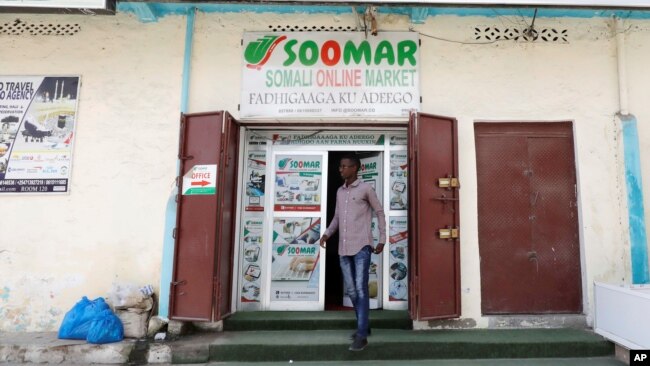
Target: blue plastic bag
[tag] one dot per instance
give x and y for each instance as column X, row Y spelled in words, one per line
column 105, row 328
column 76, row 322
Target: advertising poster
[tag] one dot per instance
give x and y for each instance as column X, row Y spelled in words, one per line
column 298, row 182
column 398, row 262
column 295, row 259
column 398, row 180
column 255, row 180
column 251, row 242
column 330, row 74
column 398, row 139
column 38, row 116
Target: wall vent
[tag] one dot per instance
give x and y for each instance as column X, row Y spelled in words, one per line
column 20, row 27
column 310, row 28
column 491, row 33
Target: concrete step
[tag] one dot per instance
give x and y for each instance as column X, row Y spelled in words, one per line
column 397, row 344
column 591, row 361
column 311, row 320
column 387, row 346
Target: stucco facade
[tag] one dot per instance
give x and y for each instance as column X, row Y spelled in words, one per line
column 110, row 228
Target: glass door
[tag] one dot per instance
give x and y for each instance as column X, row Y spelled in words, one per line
column 296, row 261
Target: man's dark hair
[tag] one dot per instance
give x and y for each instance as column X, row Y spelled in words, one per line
column 353, row 158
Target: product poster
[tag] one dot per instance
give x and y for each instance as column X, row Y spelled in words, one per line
column 374, row 271
column 251, row 243
column 398, row 262
column 295, row 259
column 398, row 140
column 38, row 116
column 398, row 180
column 298, row 182
column 255, row 180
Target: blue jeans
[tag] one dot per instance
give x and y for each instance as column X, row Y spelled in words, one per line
column 355, row 280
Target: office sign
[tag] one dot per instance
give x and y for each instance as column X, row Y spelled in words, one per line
column 330, row 74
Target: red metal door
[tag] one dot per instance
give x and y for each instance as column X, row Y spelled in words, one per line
column 203, row 246
column 434, row 273
column 226, row 219
column 528, row 224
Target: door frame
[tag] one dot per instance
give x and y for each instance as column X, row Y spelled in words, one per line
column 268, row 215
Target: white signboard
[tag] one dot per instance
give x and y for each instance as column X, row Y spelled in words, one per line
column 568, row 3
column 330, row 74
column 63, row 4
column 201, row 179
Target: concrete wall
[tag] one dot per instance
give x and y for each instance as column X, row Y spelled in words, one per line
column 110, row 228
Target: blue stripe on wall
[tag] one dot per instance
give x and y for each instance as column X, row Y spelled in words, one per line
column 164, row 9
column 636, row 212
column 170, row 212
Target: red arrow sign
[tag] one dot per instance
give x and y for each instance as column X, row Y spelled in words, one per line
column 202, row 183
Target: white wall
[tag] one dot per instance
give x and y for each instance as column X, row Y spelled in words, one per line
column 110, row 227
column 55, row 249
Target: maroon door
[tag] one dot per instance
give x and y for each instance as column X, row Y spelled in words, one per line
column 226, row 219
column 528, row 223
column 200, row 288
column 434, row 261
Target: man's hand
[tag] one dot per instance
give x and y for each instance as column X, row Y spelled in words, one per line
column 379, row 248
column 323, row 241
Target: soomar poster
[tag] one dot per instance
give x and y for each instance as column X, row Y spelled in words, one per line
column 38, row 117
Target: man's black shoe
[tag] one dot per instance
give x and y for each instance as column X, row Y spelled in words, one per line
column 353, row 336
column 359, row 344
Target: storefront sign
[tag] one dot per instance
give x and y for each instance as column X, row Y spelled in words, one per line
column 201, row 179
column 298, row 182
column 38, row 117
column 328, row 138
column 568, row 3
column 330, row 74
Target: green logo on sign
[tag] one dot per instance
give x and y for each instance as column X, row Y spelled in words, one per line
column 258, row 52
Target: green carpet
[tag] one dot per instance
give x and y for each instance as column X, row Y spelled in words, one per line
column 311, row 320
column 396, row 344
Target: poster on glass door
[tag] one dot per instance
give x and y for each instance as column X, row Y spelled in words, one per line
column 255, row 180
column 251, row 243
column 398, row 259
column 398, row 180
column 295, row 259
column 298, row 182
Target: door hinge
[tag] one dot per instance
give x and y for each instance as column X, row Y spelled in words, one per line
column 449, row 233
column 175, row 233
column 448, row 182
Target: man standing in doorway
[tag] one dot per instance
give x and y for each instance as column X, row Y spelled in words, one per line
column 352, row 218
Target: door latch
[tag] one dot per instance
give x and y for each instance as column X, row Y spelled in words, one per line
column 448, row 182
column 449, row 233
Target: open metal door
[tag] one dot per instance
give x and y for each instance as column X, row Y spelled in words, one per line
column 226, row 219
column 200, row 287
column 434, row 244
